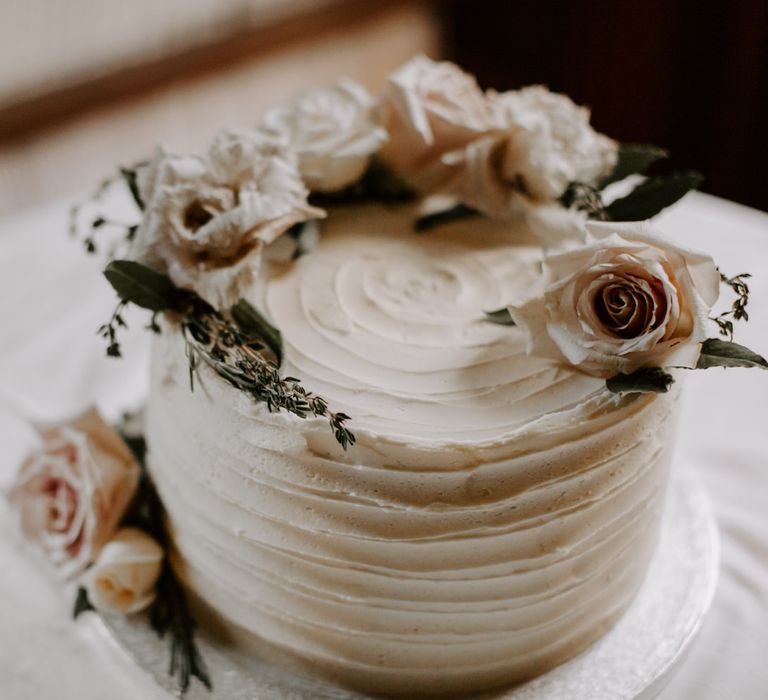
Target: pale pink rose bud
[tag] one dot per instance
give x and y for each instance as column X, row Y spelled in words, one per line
column 72, row 493
column 124, row 576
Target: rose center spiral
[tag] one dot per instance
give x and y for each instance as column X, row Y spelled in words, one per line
column 629, row 306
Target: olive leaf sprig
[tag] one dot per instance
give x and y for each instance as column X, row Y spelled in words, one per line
column 239, row 344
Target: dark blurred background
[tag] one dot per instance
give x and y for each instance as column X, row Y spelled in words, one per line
column 689, row 75
column 87, row 84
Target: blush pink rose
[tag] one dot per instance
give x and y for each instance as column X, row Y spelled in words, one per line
column 72, row 493
column 625, row 299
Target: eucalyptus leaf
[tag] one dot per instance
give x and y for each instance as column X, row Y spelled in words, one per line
column 722, row 353
column 143, row 286
column 501, row 316
column 644, row 380
column 253, row 324
column 653, row 195
column 634, row 158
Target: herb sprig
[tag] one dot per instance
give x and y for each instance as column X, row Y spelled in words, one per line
column 169, row 612
column 235, row 351
column 738, row 310
column 239, row 344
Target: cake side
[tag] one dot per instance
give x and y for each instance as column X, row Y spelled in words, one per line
column 495, row 516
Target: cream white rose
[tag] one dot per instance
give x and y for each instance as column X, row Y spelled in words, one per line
column 625, row 300
column 124, row 576
column 208, row 217
column 73, row 491
column 430, row 108
column 542, row 143
column 333, row 130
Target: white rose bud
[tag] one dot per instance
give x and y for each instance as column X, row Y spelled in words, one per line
column 429, row 109
column 625, row 300
column 124, row 576
column 333, row 131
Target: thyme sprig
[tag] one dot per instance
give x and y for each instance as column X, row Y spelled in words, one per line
column 738, row 310
column 238, row 357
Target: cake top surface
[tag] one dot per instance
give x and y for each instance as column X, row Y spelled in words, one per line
column 390, row 327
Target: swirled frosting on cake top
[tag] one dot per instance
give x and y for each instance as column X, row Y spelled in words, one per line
column 389, row 325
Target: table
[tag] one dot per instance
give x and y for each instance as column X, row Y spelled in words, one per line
column 52, row 364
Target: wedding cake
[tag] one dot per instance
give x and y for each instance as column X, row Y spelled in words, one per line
column 496, row 514
column 413, row 393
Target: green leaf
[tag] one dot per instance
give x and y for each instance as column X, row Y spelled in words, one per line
column 500, row 316
column 722, row 353
column 143, row 286
column 306, row 235
column 643, row 381
column 82, row 604
column 253, row 324
column 459, row 212
column 653, row 195
column 634, row 158
column 378, row 184
column 129, row 175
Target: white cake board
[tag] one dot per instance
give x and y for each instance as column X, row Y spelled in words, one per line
column 631, row 662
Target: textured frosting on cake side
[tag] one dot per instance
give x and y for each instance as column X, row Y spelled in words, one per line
column 497, row 513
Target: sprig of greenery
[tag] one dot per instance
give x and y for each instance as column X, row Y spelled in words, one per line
column 633, row 159
column 738, row 310
column 109, row 330
column 642, row 381
column 378, row 184
column 716, row 352
column 100, row 221
column 239, row 344
column 652, row 196
column 236, row 355
column 501, row 317
column 82, row 604
column 169, row 612
column 457, row 212
column 586, row 198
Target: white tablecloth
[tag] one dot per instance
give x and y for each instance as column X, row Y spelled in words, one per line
column 52, row 298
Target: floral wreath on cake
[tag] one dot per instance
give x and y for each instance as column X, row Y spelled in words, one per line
column 614, row 299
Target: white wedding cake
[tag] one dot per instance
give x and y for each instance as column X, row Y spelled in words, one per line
column 497, row 512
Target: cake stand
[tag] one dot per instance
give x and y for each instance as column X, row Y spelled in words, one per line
column 633, row 661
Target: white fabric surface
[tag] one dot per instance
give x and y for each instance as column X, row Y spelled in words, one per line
column 52, row 364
